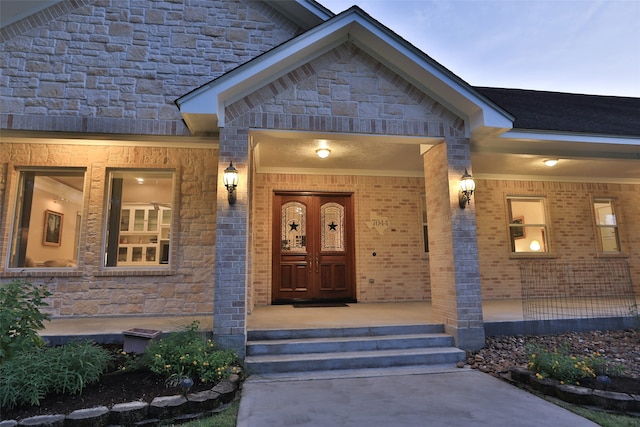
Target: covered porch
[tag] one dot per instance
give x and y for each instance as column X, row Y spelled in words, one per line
column 500, row 317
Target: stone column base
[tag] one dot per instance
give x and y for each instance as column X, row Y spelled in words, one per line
column 469, row 339
column 237, row 343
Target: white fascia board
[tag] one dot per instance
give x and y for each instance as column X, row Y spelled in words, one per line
column 570, row 137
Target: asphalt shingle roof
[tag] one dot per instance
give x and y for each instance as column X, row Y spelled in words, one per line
column 567, row 112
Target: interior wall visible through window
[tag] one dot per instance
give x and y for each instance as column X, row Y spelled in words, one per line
column 140, row 212
column 47, row 218
column 607, row 225
column 528, row 225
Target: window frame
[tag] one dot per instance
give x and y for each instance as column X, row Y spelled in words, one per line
column 161, row 268
column 598, row 227
column 545, row 232
column 424, row 221
column 75, row 217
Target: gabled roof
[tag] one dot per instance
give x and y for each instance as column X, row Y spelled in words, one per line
column 305, row 13
column 568, row 112
column 201, row 107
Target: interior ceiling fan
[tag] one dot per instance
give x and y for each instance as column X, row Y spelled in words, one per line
column 157, row 205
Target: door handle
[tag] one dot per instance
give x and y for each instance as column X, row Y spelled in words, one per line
column 310, row 264
column 317, row 264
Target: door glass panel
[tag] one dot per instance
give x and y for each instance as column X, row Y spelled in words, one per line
column 294, row 227
column 332, row 227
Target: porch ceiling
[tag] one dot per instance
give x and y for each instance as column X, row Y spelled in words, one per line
column 295, row 152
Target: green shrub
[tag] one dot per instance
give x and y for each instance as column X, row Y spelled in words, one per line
column 188, row 354
column 20, row 317
column 29, row 376
column 566, row 368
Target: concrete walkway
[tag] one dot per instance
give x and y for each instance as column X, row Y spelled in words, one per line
column 453, row 397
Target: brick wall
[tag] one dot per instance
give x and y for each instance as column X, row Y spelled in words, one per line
column 572, row 234
column 399, row 269
column 118, row 66
column 185, row 289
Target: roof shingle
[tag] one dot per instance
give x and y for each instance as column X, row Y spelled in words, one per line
column 568, row 112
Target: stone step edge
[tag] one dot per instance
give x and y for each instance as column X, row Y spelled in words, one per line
column 345, row 331
column 352, row 354
column 347, row 339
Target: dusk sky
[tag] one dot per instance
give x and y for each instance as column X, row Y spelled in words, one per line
column 578, row 46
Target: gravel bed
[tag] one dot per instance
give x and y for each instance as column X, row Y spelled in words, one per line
column 503, row 352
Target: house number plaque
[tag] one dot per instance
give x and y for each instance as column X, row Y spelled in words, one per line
column 379, row 223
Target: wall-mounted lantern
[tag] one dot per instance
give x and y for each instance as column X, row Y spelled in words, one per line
column 467, row 186
column 231, row 182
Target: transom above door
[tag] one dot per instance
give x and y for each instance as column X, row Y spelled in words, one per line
column 313, row 247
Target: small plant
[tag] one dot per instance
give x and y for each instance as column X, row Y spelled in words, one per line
column 566, row 368
column 127, row 362
column 188, row 354
column 20, row 317
column 29, row 376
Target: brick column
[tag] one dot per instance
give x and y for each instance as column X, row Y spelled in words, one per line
column 229, row 298
column 453, row 246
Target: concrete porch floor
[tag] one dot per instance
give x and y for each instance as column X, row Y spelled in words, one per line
column 284, row 317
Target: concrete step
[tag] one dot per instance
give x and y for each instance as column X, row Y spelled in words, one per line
column 271, row 334
column 309, row 350
column 347, row 344
column 379, row 359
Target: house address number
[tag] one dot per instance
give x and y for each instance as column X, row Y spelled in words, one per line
column 379, row 223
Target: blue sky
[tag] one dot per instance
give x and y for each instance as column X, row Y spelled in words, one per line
column 578, row 46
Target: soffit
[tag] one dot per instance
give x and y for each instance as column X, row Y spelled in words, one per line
column 295, row 153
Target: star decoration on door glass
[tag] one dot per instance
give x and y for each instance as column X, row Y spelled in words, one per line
column 333, row 226
column 293, row 226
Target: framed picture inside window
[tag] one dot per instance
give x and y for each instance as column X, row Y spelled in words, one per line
column 516, row 231
column 52, row 235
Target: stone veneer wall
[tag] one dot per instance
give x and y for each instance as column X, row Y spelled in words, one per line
column 109, row 66
column 185, row 288
column 399, row 269
column 572, row 234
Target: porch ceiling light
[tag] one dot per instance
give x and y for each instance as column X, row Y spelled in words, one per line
column 231, row 182
column 467, row 186
column 551, row 162
column 323, row 153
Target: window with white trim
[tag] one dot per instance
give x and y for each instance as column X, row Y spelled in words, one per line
column 425, row 230
column 528, row 231
column 47, row 218
column 139, row 219
column 606, row 225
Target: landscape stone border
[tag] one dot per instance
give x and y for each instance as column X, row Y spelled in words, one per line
column 620, row 402
column 135, row 414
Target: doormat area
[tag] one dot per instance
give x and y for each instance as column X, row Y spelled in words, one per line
column 320, row 304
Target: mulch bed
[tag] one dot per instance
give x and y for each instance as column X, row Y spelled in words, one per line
column 115, row 387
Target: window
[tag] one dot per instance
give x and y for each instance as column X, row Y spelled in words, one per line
column 606, row 225
column 425, row 231
column 138, row 231
column 48, row 213
column 527, row 225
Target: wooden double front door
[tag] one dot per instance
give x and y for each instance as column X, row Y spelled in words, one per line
column 313, row 247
